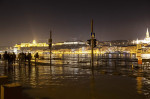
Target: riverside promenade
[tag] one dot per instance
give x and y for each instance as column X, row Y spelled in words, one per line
column 73, row 78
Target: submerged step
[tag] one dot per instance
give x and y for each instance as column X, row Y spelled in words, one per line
column 11, row 91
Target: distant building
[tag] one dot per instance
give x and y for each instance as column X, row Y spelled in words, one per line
column 145, row 41
column 40, row 47
column 33, row 44
column 30, row 46
column 69, row 45
column 116, row 43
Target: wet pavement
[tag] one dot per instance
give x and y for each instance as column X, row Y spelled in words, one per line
column 71, row 77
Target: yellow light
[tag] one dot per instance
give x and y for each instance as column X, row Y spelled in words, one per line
column 34, row 42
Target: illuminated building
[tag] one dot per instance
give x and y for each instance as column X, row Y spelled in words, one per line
column 145, row 41
column 68, row 46
column 75, row 47
column 147, row 38
column 33, row 44
column 117, row 43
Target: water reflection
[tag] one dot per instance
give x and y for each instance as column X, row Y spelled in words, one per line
column 139, row 84
column 111, row 77
column 92, row 85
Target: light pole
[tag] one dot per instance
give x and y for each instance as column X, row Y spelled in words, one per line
column 92, row 43
column 50, row 45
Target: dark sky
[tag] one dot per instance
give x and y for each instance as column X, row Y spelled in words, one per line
column 25, row 20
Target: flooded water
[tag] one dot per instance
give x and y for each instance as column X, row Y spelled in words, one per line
column 71, row 77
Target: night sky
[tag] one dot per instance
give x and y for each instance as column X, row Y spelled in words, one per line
column 25, row 20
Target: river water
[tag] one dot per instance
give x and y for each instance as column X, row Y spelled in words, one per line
column 71, row 77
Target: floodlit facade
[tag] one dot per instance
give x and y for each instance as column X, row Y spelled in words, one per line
column 81, row 47
column 33, row 44
column 145, row 41
column 68, row 46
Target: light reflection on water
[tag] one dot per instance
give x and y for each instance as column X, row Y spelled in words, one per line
column 72, row 76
